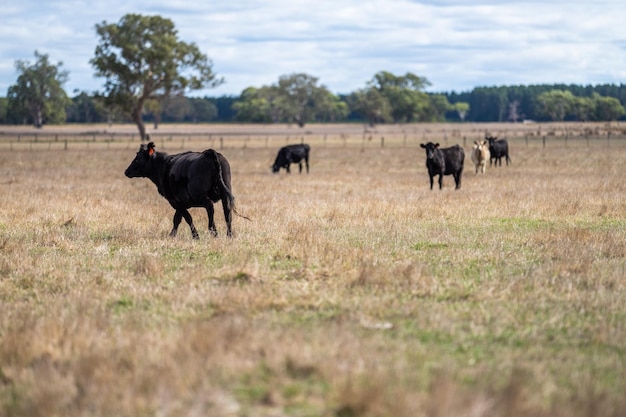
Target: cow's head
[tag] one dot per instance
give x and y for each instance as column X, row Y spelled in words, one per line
column 275, row 168
column 430, row 149
column 480, row 144
column 491, row 139
column 139, row 167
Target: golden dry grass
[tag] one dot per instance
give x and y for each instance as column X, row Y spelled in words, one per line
column 354, row 290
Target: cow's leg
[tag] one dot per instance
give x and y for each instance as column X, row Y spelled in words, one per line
column 440, row 181
column 189, row 220
column 457, row 178
column 287, row 168
column 306, row 161
column 300, row 166
column 210, row 213
column 228, row 216
column 431, row 181
column 178, row 216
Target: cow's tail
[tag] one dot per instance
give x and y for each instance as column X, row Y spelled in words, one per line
column 229, row 195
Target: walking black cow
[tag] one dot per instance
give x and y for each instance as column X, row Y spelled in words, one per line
column 444, row 161
column 188, row 179
column 498, row 148
column 291, row 154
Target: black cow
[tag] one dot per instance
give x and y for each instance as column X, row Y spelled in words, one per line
column 498, row 148
column 188, row 179
column 291, row 154
column 444, row 161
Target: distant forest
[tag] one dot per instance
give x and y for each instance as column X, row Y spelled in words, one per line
column 517, row 103
column 547, row 102
column 486, row 104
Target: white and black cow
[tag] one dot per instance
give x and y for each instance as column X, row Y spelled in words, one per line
column 188, row 179
column 444, row 161
column 480, row 155
column 292, row 154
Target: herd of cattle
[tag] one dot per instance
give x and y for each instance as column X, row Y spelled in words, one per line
column 200, row 179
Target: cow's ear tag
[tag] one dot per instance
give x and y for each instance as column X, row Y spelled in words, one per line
column 151, row 151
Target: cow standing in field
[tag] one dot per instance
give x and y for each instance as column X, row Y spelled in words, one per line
column 498, row 148
column 480, row 155
column 290, row 154
column 188, row 179
column 444, row 161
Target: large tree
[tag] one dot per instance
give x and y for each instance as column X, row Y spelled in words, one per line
column 556, row 104
column 607, row 108
column 436, row 108
column 303, row 98
column 142, row 59
column 331, row 108
column 371, row 104
column 408, row 102
column 254, row 106
column 295, row 98
column 38, row 95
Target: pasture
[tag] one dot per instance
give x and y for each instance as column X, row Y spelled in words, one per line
column 354, row 290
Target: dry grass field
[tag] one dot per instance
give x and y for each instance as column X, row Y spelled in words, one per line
column 353, row 291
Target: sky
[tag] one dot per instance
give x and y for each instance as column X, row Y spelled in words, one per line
column 457, row 45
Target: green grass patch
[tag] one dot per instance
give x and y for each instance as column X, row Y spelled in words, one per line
column 420, row 246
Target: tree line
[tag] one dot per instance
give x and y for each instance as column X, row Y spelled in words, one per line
column 546, row 102
column 150, row 76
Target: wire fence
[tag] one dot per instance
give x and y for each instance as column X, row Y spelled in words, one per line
column 367, row 138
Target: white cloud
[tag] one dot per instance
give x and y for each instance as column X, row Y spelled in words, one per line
column 456, row 44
